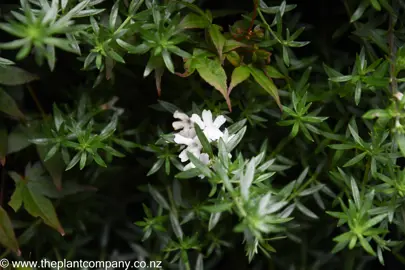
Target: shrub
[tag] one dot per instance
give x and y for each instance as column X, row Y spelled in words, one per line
column 175, row 131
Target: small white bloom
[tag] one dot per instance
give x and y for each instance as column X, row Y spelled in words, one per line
column 193, row 145
column 209, row 126
column 227, row 138
column 204, row 158
column 399, row 95
column 185, row 124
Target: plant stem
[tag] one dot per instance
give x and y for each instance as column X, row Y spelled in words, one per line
column 393, row 52
column 37, row 103
column 3, row 183
column 267, row 25
column 365, row 177
column 280, row 146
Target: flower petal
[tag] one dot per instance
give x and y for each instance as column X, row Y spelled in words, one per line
column 178, row 125
column 183, row 155
column 205, row 158
column 182, row 140
column 219, row 121
column 212, row 133
column 181, row 116
column 197, row 119
column 195, row 150
column 189, row 166
column 188, row 132
column 207, row 117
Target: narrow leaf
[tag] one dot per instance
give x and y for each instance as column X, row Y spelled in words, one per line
column 239, row 75
column 266, row 83
column 8, row 105
column 7, row 236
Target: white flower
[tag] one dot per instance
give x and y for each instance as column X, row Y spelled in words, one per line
column 204, row 158
column 186, row 125
column 193, row 145
column 209, row 126
column 226, row 138
column 399, row 95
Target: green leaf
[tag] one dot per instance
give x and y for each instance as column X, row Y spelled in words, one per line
column 217, row 208
column 8, row 105
column 400, row 138
column 138, row 49
column 16, row 199
column 217, row 38
column 375, row 220
column 344, row 237
column 266, row 83
column 156, row 166
column 331, row 72
column 199, row 165
column 377, row 113
column 311, row 190
column 213, row 73
column 342, row 146
column 54, row 165
column 214, row 219
column 114, row 55
column 247, row 179
column 188, row 174
column 239, row 75
column 39, row 206
column 375, row 4
column 10, row 75
column 17, row 140
column 99, row 160
column 357, row 93
column 355, row 160
column 303, row 209
column 7, row 236
column 6, row 62
column 73, row 162
column 366, row 245
column 203, row 140
column 272, row 72
column 176, row 226
column 286, row 57
column 199, row 265
column 3, row 145
column 355, row 135
column 235, row 127
column 158, row 197
column 57, row 117
column 235, row 140
column 167, row 58
column 191, row 21
column 360, row 10
column 113, row 15
column 134, row 6
column 355, row 193
column 83, row 159
column 344, row 78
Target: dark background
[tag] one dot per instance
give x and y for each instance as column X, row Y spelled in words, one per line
column 118, row 189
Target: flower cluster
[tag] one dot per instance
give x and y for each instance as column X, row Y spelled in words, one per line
column 188, row 138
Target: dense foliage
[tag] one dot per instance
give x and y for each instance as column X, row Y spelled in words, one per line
column 202, row 134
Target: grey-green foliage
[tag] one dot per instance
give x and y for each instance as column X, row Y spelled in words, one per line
column 311, row 155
